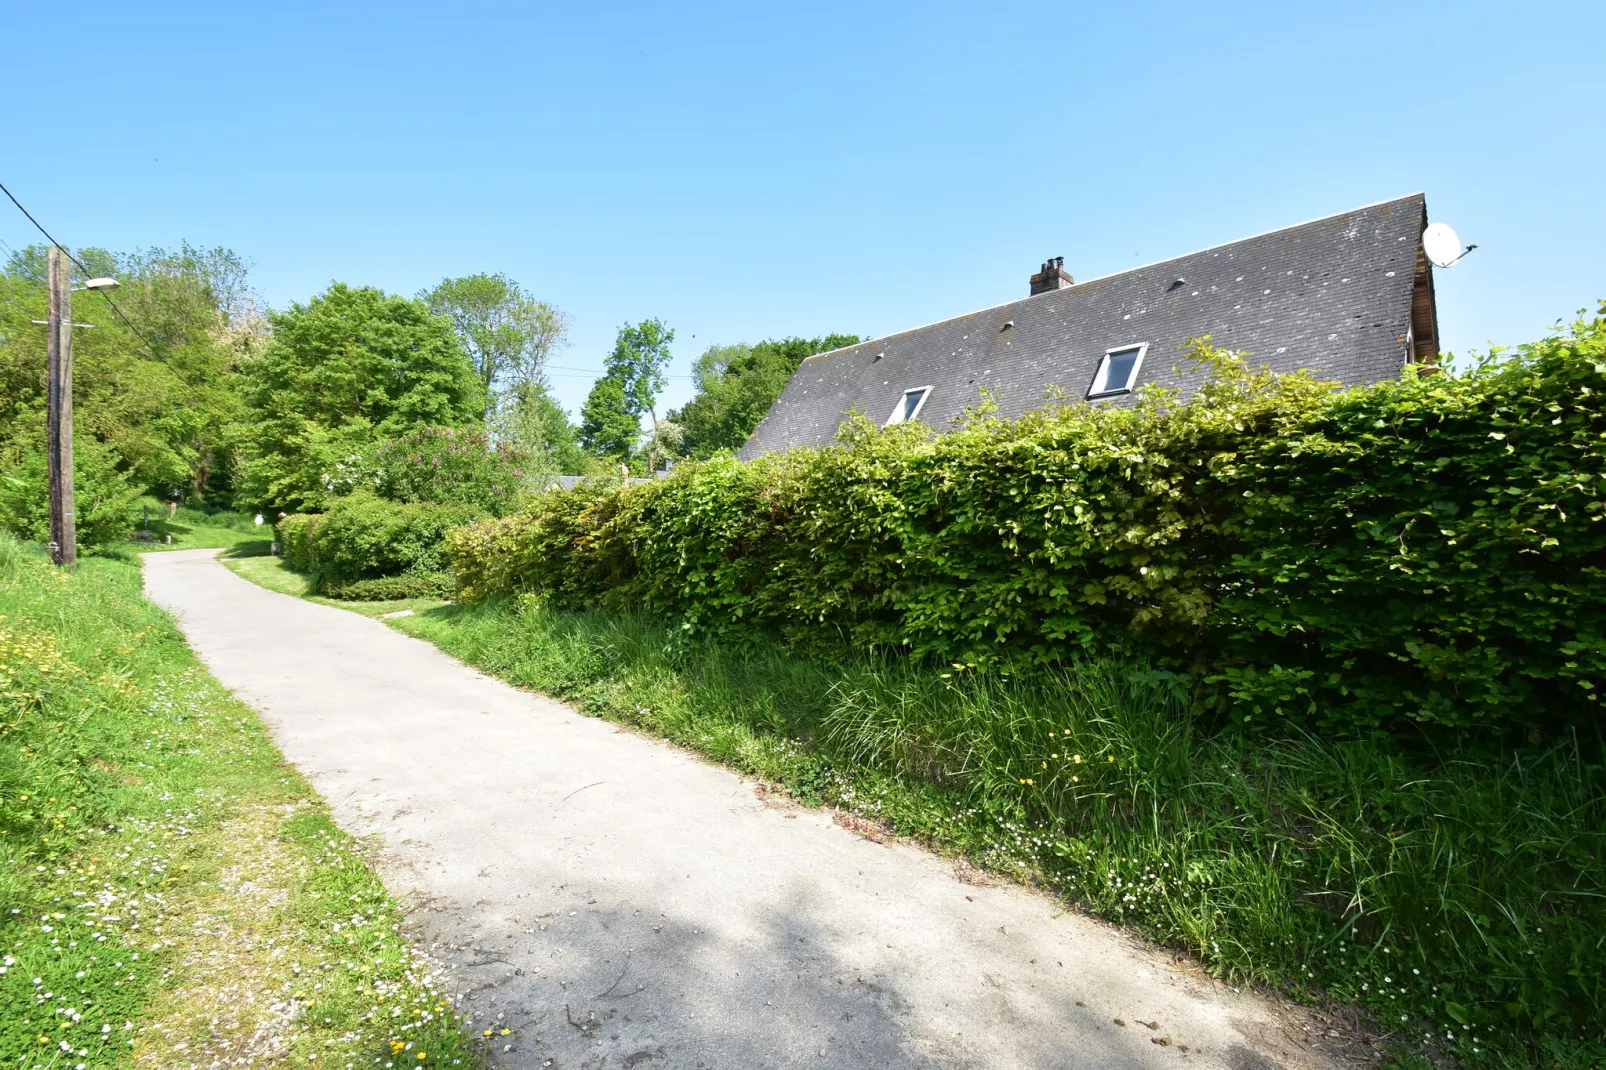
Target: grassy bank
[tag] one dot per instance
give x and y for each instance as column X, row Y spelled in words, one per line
column 1453, row 889
column 193, row 528
column 170, row 892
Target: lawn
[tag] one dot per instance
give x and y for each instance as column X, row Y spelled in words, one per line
column 192, row 528
column 172, row 892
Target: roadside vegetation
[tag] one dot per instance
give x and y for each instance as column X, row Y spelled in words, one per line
column 171, row 892
column 1403, row 876
column 1305, row 681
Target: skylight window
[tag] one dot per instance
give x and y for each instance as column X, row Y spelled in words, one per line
column 1118, row 372
column 909, row 405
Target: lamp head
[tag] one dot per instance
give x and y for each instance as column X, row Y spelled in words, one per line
column 102, row 284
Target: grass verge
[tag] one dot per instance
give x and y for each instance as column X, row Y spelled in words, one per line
column 1453, row 888
column 272, row 573
column 170, row 893
column 193, row 528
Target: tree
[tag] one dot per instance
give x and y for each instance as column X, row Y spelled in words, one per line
column 632, row 379
column 163, row 398
column 508, row 334
column 105, row 496
column 607, row 427
column 351, row 366
column 539, row 427
column 737, row 384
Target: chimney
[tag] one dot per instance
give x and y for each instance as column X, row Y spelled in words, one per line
column 1052, row 277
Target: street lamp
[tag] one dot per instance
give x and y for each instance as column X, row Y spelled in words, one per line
column 101, row 284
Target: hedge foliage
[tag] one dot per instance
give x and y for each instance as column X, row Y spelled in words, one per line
column 458, row 465
column 393, row 588
column 1427, row 549
column 362, row 537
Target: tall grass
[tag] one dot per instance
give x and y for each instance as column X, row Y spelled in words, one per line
column 1455, row 887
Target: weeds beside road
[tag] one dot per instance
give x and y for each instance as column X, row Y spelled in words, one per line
column 1455, row 891
column 171, row 892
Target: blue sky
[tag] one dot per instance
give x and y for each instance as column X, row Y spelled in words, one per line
column 753, row 170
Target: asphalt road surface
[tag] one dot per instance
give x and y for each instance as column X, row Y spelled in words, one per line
column 620, row 903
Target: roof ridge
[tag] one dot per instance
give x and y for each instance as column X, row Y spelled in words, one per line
column 1124, row 271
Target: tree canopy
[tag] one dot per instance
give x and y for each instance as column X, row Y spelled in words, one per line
column 632, row 379
column 161, row 399
column 508, row 334
column 351, row 365
column 737, row 384
column 607, row 427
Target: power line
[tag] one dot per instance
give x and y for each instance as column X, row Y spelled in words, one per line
column 150, row 348
column 40, row 228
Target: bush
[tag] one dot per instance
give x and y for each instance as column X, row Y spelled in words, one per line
column 295, row 539
column 460, row 466
column 393, row 588
column 1425, row 550
column 103, row 497
column 362, row 537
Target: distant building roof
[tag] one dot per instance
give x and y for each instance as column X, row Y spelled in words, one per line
column 1349, row 297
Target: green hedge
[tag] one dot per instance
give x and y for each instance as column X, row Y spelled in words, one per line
column 295, row 539
column 362, row 537
column 393, row 588
column 1427, row 549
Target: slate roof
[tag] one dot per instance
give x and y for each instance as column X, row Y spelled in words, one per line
column 1333, row 295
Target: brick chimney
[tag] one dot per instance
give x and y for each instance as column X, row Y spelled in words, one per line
column 1052, row 277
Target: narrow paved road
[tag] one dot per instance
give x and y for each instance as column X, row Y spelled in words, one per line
column 622, row 904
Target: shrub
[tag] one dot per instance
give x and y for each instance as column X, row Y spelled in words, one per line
column 363, row 537
column 392, row 588
column 103, row 500
column 295, row 539
column 452, row 465
column 1427, row 549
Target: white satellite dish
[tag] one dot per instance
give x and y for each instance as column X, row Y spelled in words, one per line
column 1443, row 245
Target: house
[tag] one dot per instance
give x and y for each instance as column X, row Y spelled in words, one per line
column 1349, row 297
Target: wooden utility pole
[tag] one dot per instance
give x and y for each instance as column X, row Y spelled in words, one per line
column 58, row 420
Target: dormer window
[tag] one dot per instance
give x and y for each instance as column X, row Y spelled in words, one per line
column 909, row 405
column 1118, row 372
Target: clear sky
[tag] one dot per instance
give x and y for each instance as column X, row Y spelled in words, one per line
column 758, row 169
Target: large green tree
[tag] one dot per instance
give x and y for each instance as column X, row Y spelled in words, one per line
column 538, row 426
column 159, row 393
column 607, row 427
column 737, row 384
column 351, row 366
column 632, row 379
column 508, row 333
